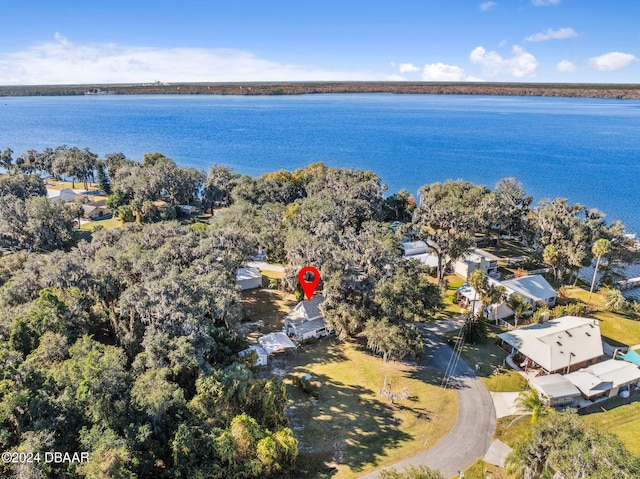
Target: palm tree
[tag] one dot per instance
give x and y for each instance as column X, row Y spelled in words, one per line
column 530, row 402
column 518, row 305
column 493, row 295
column 478, row 281
column 600, row 248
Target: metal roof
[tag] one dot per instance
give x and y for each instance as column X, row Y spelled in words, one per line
column 558, row 343
column 274, row 342
column 554, row 386
column 534, row 287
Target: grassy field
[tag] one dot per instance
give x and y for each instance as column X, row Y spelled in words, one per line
column 512, row 430
column 619, row 416
column 267, row 307
column 617, row 329
column 350, row 429
column 482, row 470
column 488, row 356
column 110, row 223
column 450, row 309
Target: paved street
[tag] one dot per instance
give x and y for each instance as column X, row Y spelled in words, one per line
column 472, row 434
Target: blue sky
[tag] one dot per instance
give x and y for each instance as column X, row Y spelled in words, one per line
column 45, row 42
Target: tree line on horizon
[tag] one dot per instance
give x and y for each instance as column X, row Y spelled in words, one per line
column 125, row 343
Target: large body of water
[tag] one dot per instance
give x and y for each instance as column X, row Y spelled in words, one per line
column 586, row 150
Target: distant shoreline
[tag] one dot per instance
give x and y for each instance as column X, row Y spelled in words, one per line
column 571, row 90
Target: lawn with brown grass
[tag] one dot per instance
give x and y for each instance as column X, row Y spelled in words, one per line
column 482, row 470
column 268, row 307
column 351, row 429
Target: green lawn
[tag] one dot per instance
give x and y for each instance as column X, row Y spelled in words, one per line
column 512, row 430
column 450, row 308
column 482, row 470
column 489, row 356
column 619, row 416
column 109, row 223
column 619, row 329
column 351, row 430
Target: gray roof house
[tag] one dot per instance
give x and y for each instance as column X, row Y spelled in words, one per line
column 305, row 320
column 559, row 345
column 534, row 289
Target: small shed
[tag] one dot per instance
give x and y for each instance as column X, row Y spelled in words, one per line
column 274, row 342
column 555, row 389
column 189, row 210
column 261, row 354
column 249, row 278
column 411, row 248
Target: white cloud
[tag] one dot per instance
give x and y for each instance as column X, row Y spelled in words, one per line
column 474, row 79
column 408, row 68
column 551, row 34
column 486, row 6
column 441, row 72
column 565, row 66
column 62, row 61
column 612, row 62
column 521, row 64
column 544, row 3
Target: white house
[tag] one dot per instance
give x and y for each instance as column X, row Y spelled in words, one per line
column 249, row 278
column 419, row 251
column 305, row 320
column 94, row 212
column 559, row 345
column 605, row 379
column 261, row 355
column 534, row 289
column 477, row 259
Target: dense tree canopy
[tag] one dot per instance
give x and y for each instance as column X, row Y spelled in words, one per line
column 125, row 343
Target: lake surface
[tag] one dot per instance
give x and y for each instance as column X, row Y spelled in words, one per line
column 587, row 150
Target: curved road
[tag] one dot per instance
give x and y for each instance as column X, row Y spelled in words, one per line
column 471, row 436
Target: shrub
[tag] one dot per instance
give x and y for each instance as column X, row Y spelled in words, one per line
column 312, row 388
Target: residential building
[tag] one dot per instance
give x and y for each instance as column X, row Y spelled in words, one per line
column 558, row 346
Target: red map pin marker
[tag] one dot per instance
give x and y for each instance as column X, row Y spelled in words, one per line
column 308, row 287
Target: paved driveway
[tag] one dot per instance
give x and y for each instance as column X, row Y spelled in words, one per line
column 472, row 434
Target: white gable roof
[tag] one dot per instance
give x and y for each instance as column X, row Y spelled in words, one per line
column 307, row 309
column 617, row 372
column 589, row 383
column 558, row 343
column 534, row 287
